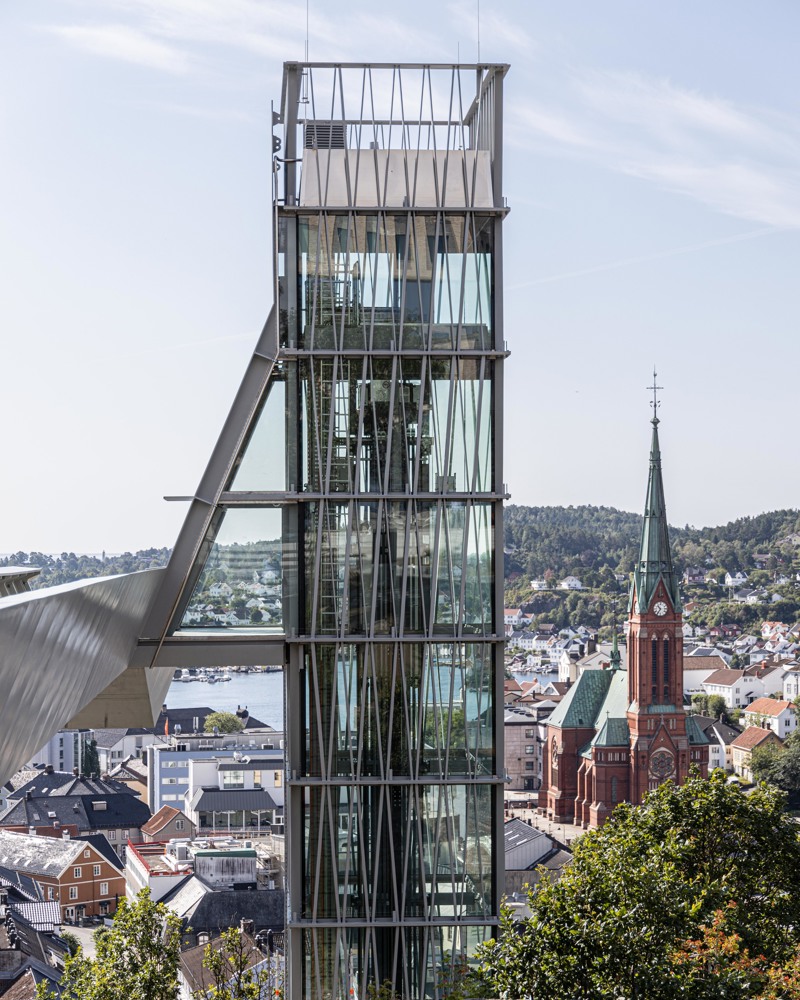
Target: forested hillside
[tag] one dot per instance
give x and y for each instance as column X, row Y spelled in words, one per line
column 545, row 542
column 592, row 543
column 69, row 566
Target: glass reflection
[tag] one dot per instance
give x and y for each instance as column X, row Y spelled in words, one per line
column 240, row 585
column 399, row 710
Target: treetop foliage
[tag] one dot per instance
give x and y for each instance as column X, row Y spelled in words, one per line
column 645, row 896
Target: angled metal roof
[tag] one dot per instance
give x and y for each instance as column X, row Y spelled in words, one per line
column 65, row 661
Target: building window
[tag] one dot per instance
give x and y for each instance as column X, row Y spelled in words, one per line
column 530, row 748
column 277, row 779
column 528, row 765
column 666, row 668
column 170, row 781
column 256, row 779
column 104, row 888
column 76, row 872
column 126, row 834
column 87, row 854
column 233, row 779
column 96, row 870
column 178, row 824
column 654, row 662
column 112, row 834
column 50, row 892
column 529, row 734
column 73, row 892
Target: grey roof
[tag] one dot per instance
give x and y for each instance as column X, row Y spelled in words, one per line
column 120, row 810
column 22, row 884
column 66, row 783
column 42, row 915
column 723, row 731
column 37, row 855
column 184, row 717
column 516, row 833
column 221, row 799
column 108, row 738
column 207, row 909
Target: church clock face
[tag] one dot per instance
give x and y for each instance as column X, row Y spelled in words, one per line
column 660, row 608
column 662, row 764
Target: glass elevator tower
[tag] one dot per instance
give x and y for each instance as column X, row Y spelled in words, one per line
column 388, row 229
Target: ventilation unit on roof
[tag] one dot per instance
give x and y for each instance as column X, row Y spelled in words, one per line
column 324, row 135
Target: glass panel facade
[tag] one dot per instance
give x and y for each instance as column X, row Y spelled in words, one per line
column 399, row 568
column 240, row 582
column 409, row 710
column 377, row 425
column 395, row 280
column 262, row 465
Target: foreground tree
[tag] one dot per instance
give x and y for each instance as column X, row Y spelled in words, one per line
column 237, row 970
column 652, row 879
column 136, row 958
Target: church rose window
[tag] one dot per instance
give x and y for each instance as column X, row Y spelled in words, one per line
column 662, row 764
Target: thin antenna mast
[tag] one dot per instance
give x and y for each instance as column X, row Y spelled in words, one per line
column 479, row 30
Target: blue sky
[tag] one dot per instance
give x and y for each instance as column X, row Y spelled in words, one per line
column 653, row 172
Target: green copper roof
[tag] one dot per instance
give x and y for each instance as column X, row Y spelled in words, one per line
column 616, row 659
column 583, row 701
column 696, row 735
column 655, row 557
column 615, row 733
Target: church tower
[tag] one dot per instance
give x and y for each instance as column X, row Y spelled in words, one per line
column 659, row 745
column 620, row 732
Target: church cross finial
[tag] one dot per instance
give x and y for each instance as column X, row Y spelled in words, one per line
column 654, row 389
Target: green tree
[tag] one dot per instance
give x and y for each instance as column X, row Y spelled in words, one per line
column 779, row 765
column 700, row 703
column 90, row 759
column 225, row 722
column 717, row 706
column 137, row 957
column 236, row 971
column 646, row 884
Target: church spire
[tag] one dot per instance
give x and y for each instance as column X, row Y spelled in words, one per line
column 655, row 556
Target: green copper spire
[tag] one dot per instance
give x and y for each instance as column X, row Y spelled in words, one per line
column 616, row 659
column 655, row 556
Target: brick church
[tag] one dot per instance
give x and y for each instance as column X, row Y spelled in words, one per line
column 620, row 732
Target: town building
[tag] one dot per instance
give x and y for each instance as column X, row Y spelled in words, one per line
column 168, row 762
column 73, row 873
column 743, row 746
column 771, row 713
column 55, row 803
column 619, row 733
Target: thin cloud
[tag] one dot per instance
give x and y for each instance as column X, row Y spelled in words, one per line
column 645, row 258
column 740, row 161
column 125, row 43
